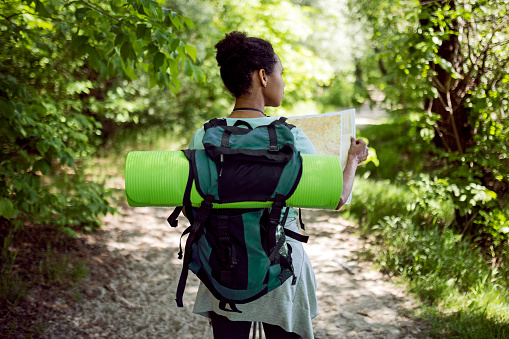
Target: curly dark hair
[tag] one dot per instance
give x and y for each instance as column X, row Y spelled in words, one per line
column 238, row 56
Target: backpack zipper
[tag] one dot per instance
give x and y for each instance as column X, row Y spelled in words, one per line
column 221, row 160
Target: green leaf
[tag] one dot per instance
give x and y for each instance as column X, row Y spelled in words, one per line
column 153, row 80
column 174, row 67
column 174, row 44
column 42, row 146
column 6, row 208
column 188, row 67
column 93, row 57
column 81, row 13
column 427, row 134
column 161, row 38
column 43, row 166
column 141, row 30
column 69, row 232
column 191, row 51
column 120, row 39
column 130, row 72
column 175, row 85
column 158, row 60
column 198, row 74
column 188, row 22
column 151, row 49
column 82, row 50
column 175, row 20
column 146, row 3
column 126, row 51
column 6, row 108
column 41, row 9
column 163, row 80
column 78, row 41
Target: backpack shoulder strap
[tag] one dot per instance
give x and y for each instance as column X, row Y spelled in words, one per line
column 196, row 228
column 282, row 121
column 214, row 123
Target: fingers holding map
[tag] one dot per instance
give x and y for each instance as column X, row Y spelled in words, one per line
column 330, row 133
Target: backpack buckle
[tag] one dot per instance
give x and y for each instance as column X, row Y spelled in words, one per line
column 273, row 148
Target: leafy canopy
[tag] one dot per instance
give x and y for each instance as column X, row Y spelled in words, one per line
column 61, row 62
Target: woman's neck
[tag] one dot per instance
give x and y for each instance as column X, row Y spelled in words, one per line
column 252, row 102
column 245, row 108
column 246, row 114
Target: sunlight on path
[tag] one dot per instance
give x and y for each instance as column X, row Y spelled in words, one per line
column 138, row 299
column 354, row 300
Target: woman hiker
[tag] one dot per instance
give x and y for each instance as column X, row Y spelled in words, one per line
column 253, row 73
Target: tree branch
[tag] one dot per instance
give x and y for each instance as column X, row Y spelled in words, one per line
column 437, row 128
column 108, row 15
column 19, row 27
column 427, row 2
column 453, row 123
column 441, row 87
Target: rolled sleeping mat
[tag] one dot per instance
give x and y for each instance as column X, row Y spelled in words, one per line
column 159, row 178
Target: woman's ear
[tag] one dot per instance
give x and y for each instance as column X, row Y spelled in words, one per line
column 263, row 77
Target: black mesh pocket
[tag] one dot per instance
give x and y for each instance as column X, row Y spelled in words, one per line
column 242, row 180
column 228, row 259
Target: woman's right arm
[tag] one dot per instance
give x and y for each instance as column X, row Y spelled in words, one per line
column 357, row 153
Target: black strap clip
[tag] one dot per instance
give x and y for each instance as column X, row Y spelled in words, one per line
column 172, row 219
column 233, row 307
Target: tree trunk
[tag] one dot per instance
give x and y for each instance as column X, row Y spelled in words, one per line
column 454, row 132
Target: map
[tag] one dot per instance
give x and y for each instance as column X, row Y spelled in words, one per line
column 329, row 132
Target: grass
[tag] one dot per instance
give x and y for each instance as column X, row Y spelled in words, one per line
column 463, row 295
column 57, row 268
column 53, row 268
column 461, row 316
column 13, row 288
column 32, row 274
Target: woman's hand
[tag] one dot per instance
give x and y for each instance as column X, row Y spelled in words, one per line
column 358, row 151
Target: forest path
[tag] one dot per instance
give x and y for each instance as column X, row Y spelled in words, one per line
column 131, row 289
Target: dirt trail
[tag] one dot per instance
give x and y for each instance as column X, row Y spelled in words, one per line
column 131, row 292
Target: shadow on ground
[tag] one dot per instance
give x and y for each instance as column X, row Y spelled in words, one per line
column 132, row 293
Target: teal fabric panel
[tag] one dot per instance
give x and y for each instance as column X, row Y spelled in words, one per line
column 207, row 174
column 256, row 254
column 201, row 253
column 289, row 175
column 274, row 271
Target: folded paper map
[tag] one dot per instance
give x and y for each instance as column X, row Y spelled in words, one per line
column 329, row 132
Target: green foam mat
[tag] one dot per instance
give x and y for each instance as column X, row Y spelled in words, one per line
column 159, row 178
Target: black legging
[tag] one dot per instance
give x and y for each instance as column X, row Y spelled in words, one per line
column 226, row 329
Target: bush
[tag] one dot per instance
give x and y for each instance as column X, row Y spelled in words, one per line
column 464, row 290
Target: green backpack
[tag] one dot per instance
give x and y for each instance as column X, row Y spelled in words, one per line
column 240, row 254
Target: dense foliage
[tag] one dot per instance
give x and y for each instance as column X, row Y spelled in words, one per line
column 62, row 71
column 443, row 69
column 286, row 25
column 77, row 74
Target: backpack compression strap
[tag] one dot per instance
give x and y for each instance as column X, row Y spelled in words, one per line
column 186, row 200
column 196, row 228
column 274, row 216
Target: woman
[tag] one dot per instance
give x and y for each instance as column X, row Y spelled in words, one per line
column 253, row 73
